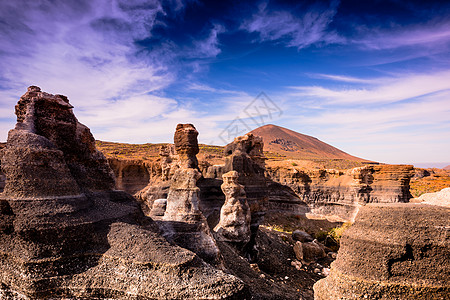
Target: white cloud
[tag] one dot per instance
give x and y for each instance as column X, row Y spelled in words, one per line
column 300, row 32
column 383, row 90
column 389, row 119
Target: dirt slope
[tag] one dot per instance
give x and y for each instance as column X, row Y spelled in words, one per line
column 293, row 144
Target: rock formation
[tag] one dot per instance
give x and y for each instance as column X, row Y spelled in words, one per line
column 2, row 175
column 186, row 145
column 66, row 234
column 183, row 222
column 338, row 194
column 235, row 217
column 245, row 155
column 392, row 251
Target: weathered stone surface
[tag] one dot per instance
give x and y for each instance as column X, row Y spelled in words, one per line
column 235, row 217
column 313, row 251
column 338, row 194
column 182, row 200
column 70, row 238
column 298, row 250
column 132, row 175
column 46, row 122
column 299, row 235
column 186, row 145
column 159, row 207
column 160, row 173
column 392, row 251
column 245, row 155
column 183, row 222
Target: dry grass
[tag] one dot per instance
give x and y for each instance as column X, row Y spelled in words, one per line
column 438, row 180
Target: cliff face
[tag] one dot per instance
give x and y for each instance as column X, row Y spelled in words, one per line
column 67, row 234
column 392, row 251
column 336, row 193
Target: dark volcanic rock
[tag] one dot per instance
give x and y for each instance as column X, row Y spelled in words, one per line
column 299, row 235
column 66, row 234
column 392, row 251
column 47, row 132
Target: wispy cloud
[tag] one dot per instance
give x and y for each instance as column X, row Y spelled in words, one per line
column 382, row 91
column 390, row 119
column 422, row 35
column 208, row 47
column 294, row 31
column 87, row 50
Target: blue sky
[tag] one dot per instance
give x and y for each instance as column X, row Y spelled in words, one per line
column 369, row 77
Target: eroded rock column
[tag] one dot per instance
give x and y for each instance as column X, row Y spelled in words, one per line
column 184, row 223
column 245, row 156
column 235, row 217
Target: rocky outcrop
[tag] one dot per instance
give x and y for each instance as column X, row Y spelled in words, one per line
column 245, row 156
column 392, row 251
column 338, row 194
column 183, row 222
column 235, row 217
column 186, row 145
column 67, row 234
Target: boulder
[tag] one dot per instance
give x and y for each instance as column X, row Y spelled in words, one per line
column 313, row 251
column 159, row 207
column 299, row 235
column 298, row 250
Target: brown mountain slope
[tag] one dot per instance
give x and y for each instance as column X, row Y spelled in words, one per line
column 296, row 145
column 447, row 168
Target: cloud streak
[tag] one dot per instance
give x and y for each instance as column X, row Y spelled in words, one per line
column 294, row 31
column 379, row 91
column 427, row 36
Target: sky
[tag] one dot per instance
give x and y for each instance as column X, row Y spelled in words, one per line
column 371, row 78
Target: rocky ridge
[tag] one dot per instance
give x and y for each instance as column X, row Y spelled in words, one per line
column 337, row 194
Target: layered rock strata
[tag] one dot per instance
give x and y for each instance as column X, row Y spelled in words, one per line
column 66, row 234
column 184, row 223
column 338, row 194
column 392, row 251
column 235, row 217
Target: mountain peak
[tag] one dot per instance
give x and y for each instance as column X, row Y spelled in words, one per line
column 297, row 145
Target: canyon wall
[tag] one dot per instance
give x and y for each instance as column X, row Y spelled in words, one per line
column 337, row 194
